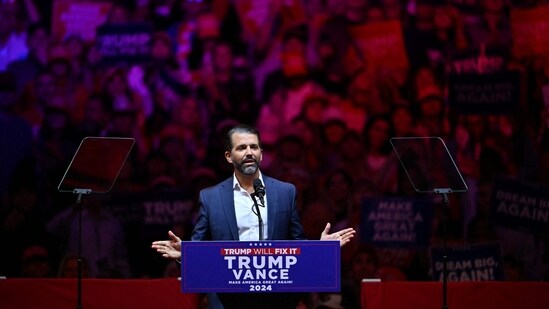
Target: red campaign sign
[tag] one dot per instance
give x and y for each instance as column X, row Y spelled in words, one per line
column 381, row 44
column 529, row 28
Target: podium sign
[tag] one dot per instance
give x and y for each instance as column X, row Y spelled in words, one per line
column 260, row 266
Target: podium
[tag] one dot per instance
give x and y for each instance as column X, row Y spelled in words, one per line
column 260, row 266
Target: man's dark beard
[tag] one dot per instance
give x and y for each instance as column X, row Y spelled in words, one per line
column 249, row 169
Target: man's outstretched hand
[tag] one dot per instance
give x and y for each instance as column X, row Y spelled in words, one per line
column 344, row 236
column 170, row 249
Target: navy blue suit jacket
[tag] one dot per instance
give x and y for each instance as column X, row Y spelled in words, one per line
column 217, row 217
column 217, row 221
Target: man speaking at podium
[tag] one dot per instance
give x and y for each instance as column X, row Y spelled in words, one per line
column 227, row 212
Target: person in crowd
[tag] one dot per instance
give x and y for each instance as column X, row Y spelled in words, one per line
column 68, row 268
column 294, row 79
column 340, row 30
column 229, row 87
column 103, row 243
column 513, row 269
column 271, row 121
column 26, row 69
column 76, row 50
column 288, row 155
column 378, row 171
column 431, row 120
column 450, row 37
column 364, row 99
column 35, row 262
column 33, row 102
column 419, row 34
column 332, row 133
column 22, row 218
column 180, row 148
column 118, row 14
column 97, row 113
column 329, row 69
column 403, row 120
column 352, row 155
column 54, row 146
column 338, row 197
column 158, row 172
column 312, row 111
column 232, row 198
column 63, row 65
column 493, row 28
column 116, row 88
column 393, row 10
column 364, row 265
column 15, row 137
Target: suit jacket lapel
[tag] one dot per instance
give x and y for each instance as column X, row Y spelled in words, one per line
column 272, row 204
column 227, row 200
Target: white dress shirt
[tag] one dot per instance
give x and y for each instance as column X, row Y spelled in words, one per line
column 246, row 220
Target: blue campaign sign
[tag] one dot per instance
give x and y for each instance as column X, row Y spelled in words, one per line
column 260, row 266
column 520, row 205
column 396, row 222
column 477, row 262
column 484, row 93
column 127, row 43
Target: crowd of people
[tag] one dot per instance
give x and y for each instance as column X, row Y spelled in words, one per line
column 324, row 112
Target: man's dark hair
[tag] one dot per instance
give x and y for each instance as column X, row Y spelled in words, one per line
column 239, row 128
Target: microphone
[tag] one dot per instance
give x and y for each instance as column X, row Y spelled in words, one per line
column 259, row 190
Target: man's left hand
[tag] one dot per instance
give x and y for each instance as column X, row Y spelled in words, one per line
column 344, row 236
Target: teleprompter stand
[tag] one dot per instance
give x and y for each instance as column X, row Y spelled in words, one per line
column 431, row 169
column 93, row 169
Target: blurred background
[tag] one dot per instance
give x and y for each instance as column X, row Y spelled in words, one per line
column 326, row 82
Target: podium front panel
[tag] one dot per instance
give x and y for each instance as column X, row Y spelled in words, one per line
column 260, row 266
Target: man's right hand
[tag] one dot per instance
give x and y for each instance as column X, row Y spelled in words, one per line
column 170, row 249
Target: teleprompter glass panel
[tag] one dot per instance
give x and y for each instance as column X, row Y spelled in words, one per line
column 428, row 164
column 96, row 164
